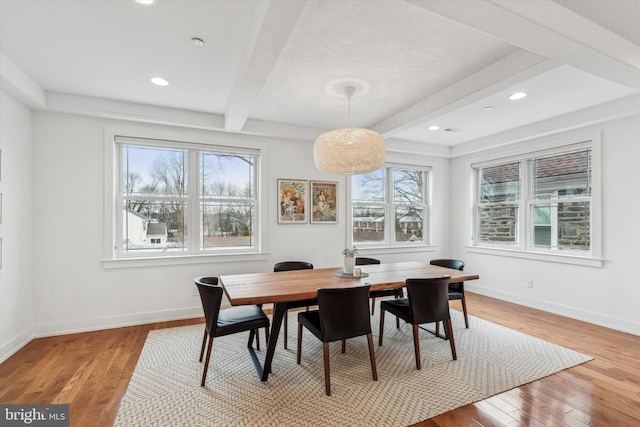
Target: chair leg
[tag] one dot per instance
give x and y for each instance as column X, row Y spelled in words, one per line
column 204, row 342
column 344, row 345
column 299, row 352
column 327, row 370
column 206, row 362
column 452, row 343
column 416, row 346
column 372, row 357
column 464, row 311
column 373, row 305
column 437, row 328
column 397, row 322
column 286, row 327
column 266, row 335
column 252, row 334
column 381, row 327
column 258, row 339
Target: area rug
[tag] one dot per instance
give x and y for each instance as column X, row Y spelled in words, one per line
column 165, row 387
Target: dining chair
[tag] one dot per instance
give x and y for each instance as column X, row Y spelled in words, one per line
column 426, row 302
column 397, row 293
column 227, row 321
column 290, row 266
column 342, row 313
column 456, row 290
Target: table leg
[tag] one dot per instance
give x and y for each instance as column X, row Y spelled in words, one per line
column 279, row 311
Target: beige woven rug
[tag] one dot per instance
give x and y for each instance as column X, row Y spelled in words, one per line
column 165, row 387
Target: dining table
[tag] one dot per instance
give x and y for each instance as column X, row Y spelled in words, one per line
column 284, row 289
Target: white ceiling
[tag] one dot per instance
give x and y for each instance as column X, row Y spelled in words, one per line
column 275, row 66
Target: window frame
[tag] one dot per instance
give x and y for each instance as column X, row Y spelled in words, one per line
column 526, row 153
column 389, row 206
column 113, row 221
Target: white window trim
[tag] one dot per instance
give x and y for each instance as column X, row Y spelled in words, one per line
column 380, row 247
column 234, row 143
column 525, row 151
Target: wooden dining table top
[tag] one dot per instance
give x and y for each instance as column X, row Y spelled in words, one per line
column 299, row 285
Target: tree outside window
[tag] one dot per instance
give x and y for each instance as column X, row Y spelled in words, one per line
column 388, row 206
column 178, row 201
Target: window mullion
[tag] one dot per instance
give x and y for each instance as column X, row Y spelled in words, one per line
column 194, row 229
column 390, row 227
column 524, row 217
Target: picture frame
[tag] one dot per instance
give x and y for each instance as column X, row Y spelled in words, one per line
column 324, row 202
column 292, row 201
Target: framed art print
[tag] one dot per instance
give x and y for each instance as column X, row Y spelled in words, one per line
column 324, row 202
column 292, row 201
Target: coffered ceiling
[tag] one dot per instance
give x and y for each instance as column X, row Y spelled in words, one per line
column 279, row 67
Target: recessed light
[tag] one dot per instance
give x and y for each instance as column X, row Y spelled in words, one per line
column 159, row 81
column 197, row 42
column 434, row 127
column 518, row 95
column 146, row 2
column 488, row 108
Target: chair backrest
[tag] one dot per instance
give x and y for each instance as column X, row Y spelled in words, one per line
column 366, row 261
column 292, row 265
column 211, row 297
column 344, row 312
column 456, row 264
column 428, row 299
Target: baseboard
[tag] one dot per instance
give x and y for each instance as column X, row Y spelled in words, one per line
column 562, row 310
column 9, row 349
column 99, row 323
column 110, row 322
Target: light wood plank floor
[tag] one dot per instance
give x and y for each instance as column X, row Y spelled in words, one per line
column 90, row 371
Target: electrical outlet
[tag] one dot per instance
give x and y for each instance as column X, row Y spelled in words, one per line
column 194, row 292
column 529, row 283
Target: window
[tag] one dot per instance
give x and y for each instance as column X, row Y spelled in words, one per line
column 184, row 199
column 389, row 207
column 537, row 203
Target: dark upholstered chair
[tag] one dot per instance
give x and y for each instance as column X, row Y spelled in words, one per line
column 378, row 294
column 226, row 321
column 427, row 302
column 342, row 313
column 289, row 266
column 456, row 290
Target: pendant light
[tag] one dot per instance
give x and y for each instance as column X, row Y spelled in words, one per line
column 349, row 151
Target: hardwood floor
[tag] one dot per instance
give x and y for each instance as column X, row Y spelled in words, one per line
column 90, row 371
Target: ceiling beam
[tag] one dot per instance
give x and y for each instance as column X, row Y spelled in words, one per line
column 548, row 29
column 20, row 86
column 276, row 27
column 502, row 74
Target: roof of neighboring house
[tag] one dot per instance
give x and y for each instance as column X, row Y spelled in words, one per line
column 157, row 229
column 559, row 165
column 138, row 214
column 564, row 164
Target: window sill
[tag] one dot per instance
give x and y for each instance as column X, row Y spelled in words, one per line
column 181, row 260
column 538, row 256
column 372, row 250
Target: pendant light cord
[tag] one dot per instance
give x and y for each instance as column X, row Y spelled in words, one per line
column 349, row 91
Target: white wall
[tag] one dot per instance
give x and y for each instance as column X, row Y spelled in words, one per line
column 74, row 290
column 610, row 295
column 17, row 278
column 65, row 278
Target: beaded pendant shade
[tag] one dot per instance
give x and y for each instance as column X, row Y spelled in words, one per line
column 349, row 151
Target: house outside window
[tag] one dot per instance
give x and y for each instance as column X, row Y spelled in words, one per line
column 541, row 202
column 184, row 199
column 389, row 207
